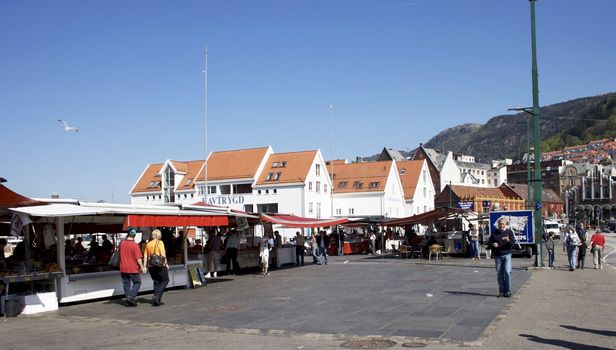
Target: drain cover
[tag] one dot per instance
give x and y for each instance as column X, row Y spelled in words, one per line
column 368, row 344
column 414, row 345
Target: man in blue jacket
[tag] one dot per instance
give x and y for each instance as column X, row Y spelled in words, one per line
column 501, row 241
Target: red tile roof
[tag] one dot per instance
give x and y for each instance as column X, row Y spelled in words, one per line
column 149, row 176
column 236, row 164
column 361, row 177
column 292, row 167
column 410, row 171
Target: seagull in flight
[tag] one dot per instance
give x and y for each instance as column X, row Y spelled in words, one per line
column 68, row 128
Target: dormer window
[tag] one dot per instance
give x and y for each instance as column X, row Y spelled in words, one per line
column 342, row 184
column 188, row 182
column 357, row 184
column 280, row 164
column 374, row 184
column 277, row 176
column 283, row 164
column 269, row 177
column 402, row 171
column 275, row 165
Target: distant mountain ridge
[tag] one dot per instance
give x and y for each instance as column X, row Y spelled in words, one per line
column 563, row 124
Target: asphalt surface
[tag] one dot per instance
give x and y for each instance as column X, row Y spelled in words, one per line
column 443, row 304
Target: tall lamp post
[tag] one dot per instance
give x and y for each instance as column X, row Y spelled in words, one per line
column 535, row 113
column 537, row 137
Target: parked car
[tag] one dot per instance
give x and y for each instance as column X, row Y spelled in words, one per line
column 551, row 226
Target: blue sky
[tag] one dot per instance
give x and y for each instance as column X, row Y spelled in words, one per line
column 129, row 75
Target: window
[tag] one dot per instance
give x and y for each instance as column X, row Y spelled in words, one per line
column 338, row 211
column 147, row 198
column 248, row 208
column 266, row 191
column 275, row 191
column 318, row 210
column 324, row 188
column 318, row 169
column 310, row 207
column 317, row 186
column 425, row 192
column 342, row 184
column 402, row 171
column 283, row 164
column 310, row 186
column 267, row 208
column 357, row 184
column 277, row 176
column 275, row 165
column 242, row 188
column 269, row 177
column 188, row 182
column 374, row 184
column 258, row 191
column 225, row 189
column 211, row 189
column 424, row 175
column 351, row 211
column 192, row 195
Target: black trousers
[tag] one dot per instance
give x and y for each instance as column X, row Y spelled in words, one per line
column 299, row 255
column 231, row 254
column 160, row 277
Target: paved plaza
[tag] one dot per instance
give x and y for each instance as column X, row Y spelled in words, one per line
column 443, row 304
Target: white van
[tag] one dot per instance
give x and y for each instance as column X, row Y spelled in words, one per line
column 551, row 226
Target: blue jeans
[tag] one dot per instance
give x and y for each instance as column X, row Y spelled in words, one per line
column 551, row 257
column 503, row 273
column 128, row 279
column 323, row 252
column 572, row 256
column 474, row 249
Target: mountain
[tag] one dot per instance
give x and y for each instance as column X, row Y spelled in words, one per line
column 563, row 124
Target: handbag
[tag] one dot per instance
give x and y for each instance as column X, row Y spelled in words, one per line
column 157, row 260
column 114, row 261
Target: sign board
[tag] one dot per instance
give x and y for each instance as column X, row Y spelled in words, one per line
column 467, row 205
column 242, row 223
column 194, row 275
column 520, row 222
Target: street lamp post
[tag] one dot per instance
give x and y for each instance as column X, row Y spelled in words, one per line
column 537, row 138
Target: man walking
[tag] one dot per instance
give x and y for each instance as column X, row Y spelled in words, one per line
column 501, row 242
column 597, row 242
column 131, row 265
column 323, row 243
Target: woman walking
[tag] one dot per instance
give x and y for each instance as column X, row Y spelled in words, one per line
column 155, row 258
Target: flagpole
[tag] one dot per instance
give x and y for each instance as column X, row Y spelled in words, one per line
column 206, row 140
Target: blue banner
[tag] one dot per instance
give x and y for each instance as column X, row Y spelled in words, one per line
column 467, row 205
column 520, row 222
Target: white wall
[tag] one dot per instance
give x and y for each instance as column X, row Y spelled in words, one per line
column 449, row 172
column 423, row 198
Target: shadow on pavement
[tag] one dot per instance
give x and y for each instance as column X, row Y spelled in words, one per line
column 589, row 330
column 469, row 293
column 563, row 343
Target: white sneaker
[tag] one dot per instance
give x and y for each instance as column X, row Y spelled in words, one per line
column 215, row 275
column 207, row 275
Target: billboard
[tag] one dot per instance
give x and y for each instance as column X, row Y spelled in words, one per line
column 519, row 221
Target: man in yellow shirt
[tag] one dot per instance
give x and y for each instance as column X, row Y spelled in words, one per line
column 155, row 259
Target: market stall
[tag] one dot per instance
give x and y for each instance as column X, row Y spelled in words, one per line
column 88, row 276
column 288, row 255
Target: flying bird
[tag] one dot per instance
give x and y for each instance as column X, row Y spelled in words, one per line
column 68, row 128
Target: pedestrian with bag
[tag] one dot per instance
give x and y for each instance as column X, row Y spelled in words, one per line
column 265, row 246
column 473, row 236
column 300, row 240
column 155, row 258
column 131, row 265
column 571, row 243
column 213, row 247
column 501, row 242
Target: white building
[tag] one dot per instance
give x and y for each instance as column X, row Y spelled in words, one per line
column 252, row 180
column 418, row 188
column 368, row 189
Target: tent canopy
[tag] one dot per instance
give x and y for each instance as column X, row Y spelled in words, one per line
column 427, row 217
column 297, row 221
column 10, row 199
